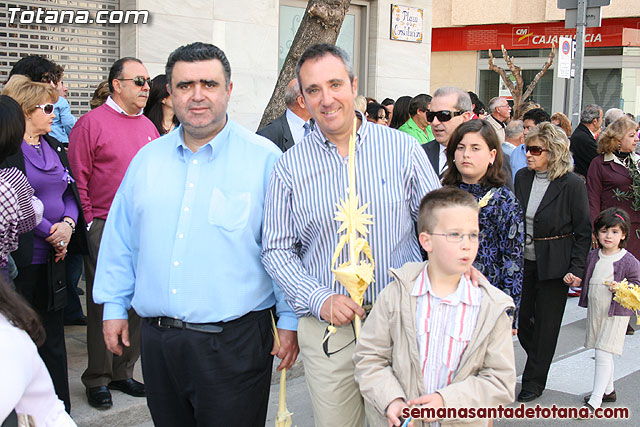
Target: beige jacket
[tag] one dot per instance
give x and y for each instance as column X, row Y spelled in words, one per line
column 386, row 354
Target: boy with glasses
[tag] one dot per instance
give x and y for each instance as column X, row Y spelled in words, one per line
column 428, row 317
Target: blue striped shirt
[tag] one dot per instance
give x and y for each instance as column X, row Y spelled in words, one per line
column 393, row 173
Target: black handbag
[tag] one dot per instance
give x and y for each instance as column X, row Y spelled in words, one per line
column 57, row 283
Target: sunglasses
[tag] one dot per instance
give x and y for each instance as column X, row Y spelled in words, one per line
column 535, row 150
column 46, row 108
column 443, row 115
column 139, row 81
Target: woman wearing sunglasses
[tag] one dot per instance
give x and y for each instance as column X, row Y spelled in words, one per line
column 474, row 160
column 41, row 252
column 558, row 235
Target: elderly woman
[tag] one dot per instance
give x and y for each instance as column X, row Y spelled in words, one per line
column 558, row 235
column 40, row 254
column 613, row 173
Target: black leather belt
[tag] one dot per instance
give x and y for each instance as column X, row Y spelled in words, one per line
column 168, row 322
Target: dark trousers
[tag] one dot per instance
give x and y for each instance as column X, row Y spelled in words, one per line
column 102, row 365
column 541, row 310
column 202, row 379
column 32, row 284
column 73, row 310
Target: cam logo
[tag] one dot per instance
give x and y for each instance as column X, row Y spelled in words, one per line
column 521, row 36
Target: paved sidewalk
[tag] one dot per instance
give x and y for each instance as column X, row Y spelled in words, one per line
column 570, row 377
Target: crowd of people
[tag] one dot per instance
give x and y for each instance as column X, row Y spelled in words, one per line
column 193, row 233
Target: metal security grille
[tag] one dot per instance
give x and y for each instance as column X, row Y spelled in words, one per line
column 86, row 51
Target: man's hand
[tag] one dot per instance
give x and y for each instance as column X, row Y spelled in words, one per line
column 344, row 310
column 394, row 411
column 112, row 331
column 433, row 400
column 288, row 349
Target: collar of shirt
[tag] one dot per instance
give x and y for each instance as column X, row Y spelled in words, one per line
column 212, row 146
column 610, row 156
column 111, row 103
column 296, row 125
column 318, row 137
column 465, row 293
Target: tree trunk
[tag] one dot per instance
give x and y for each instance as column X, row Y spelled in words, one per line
column 518, row 93
column 321, row 23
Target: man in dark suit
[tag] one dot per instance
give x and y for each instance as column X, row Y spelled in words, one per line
column 293, row 125
column 449, row 108
column 583, row 139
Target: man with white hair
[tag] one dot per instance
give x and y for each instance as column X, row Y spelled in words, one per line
column 500, row 112
column 293, row 125
column 101, row 146
column 612, row 115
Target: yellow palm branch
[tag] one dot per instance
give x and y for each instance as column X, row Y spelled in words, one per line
column 355, row 274
column 283, row 416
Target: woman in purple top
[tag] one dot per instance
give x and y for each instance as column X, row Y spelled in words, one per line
column 40, row 254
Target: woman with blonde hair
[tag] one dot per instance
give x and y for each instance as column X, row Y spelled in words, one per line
column 557, row 239
column 40, row 256
column 614, row 174
column 561, row 120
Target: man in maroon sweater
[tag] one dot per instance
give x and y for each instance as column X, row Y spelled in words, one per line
column 101, row 146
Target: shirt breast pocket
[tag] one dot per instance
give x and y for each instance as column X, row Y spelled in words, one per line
column 229, row 210
column 455, row 342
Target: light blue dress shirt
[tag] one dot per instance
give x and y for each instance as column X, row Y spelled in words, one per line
column 183, row 235
column 518, row 159
column 63, row 121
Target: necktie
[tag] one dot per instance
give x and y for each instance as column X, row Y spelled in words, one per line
column 307, row 129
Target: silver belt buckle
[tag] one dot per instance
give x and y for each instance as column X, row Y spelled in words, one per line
column 160, row 325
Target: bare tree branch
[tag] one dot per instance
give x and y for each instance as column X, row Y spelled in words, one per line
column 544, row 69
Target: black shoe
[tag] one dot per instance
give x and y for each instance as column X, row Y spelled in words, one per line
column 80, row 321
column 79, row 291
column 630, row 330
column 528, row 396
column 129, row 386
column 99, row 397
column 611, row 397
column 590, row 410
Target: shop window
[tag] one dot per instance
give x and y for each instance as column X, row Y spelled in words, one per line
column 602, row 87
column 490, row 84
column 350, row 38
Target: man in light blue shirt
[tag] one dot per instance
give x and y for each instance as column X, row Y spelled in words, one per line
column 182, row 245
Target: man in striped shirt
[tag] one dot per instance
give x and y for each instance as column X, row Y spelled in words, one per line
column 300, row 233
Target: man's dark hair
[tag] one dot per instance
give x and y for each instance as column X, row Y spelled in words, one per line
column 388, row 101
column 419, row 102
column 538, row 115
column 37, row 68
column 11, row 127
column 610, row 218
column 444, row 197
column 196, row 52
column 318, row 51
column 116, row 69
column 590, row 113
